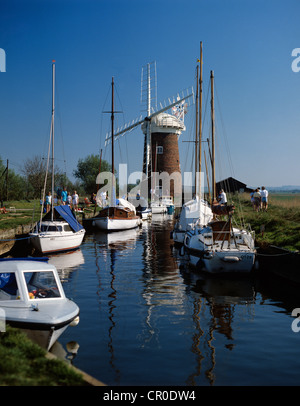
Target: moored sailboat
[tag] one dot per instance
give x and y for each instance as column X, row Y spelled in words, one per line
column 59, row 230
column 120, row 214
column 218, row 247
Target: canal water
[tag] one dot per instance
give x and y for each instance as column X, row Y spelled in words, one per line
column 147, row 319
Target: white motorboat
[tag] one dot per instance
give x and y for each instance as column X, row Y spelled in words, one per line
column 61, row 232
column 32, row 299
column 196, row 211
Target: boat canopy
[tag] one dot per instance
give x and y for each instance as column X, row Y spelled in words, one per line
column 195, row 210
column 125, row 203
column 66, row 213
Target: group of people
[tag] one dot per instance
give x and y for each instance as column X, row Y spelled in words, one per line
column 66, row 199
column 259, row 199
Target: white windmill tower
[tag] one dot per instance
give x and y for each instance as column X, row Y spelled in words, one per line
column 161, row 129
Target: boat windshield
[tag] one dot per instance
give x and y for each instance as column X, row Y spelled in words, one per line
column 8, row 286
column 41, row 285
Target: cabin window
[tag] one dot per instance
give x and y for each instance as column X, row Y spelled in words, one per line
column 159, row 150
column 67, row 228
column 51, row 228
column 8, row 286
column 41, row 285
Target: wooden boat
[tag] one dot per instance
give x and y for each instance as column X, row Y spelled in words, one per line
column 58, row 230
column 32, row 299
column 121, row 214
column 117, row 218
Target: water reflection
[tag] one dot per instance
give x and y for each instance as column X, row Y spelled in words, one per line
column 66, row 262
column 217, row 300
column 149, row 319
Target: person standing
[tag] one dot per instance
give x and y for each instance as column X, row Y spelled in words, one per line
column 264, row 198
column 64, row 196
column 257, row 200
column 75, row 199
column 48, row 202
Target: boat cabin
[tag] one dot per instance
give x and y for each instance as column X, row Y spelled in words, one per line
column 29, row 281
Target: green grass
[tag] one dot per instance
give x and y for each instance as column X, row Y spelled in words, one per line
column 26, row 213
column 279, row 226
column 23, row 363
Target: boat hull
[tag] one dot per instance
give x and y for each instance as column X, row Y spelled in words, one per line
column 56, row 242
column 222, row 261
column 44, row 335
column 159, row 209
column 215, row 256
column 111, row 224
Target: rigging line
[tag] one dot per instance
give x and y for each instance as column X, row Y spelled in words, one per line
column 240, row 211
column 58, row 113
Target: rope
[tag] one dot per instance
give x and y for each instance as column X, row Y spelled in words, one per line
column 15, row 239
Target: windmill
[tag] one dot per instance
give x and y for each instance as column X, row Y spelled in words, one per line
column 161, row 130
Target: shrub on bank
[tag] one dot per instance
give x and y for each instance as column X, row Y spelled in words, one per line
column 24, row 363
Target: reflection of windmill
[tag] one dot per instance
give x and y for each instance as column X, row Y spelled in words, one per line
column 161, row 130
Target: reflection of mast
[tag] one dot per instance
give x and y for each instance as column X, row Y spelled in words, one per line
column 111, row 305
column 196, row 343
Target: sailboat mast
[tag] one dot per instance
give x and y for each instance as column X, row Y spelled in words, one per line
column 112, row 126
column 112, row 140
column 52, row 135
column 200, row 118
column 196, row 134
column 213, row 136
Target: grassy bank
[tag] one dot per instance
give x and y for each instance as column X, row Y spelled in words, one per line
column 19, row 212
column 279, row 226
column 24, row 363
column 23, row 212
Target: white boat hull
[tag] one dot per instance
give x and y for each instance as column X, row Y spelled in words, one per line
column 224, row 262
column 110, row 224
column 49, row 242
column 32, row 299
column 220, row 257
column 158, row 209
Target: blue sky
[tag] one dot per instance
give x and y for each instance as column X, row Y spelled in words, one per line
column 247, row 43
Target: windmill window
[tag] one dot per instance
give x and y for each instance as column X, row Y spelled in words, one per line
column 159, row 150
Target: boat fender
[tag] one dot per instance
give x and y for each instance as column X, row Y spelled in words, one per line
column 230, row 259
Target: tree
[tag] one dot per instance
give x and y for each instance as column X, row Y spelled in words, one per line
column 11, row 184
column 34, row 170
column 88, row 170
